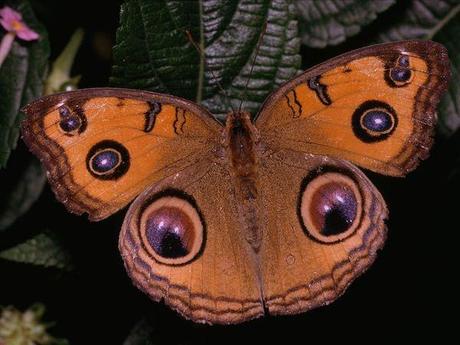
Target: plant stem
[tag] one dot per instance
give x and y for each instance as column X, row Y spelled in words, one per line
column 452, row 13
column 199, row 94
column 5, row 46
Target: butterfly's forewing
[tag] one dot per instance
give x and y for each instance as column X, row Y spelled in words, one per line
column 102, row 147
column 374, row 106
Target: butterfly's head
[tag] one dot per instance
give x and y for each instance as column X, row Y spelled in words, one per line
column 239, row 121
column 239, row 128
column 235, row 116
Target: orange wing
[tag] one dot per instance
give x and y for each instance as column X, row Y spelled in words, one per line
column 102, row 147
column 374, row 106
column 325, row 225
column 213, row 278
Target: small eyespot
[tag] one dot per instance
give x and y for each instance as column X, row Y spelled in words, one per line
column 64, row 111
column 330, row 207
column 374, row 121
column 400, row 75
column 172, row 229
column 70, row 123
column 403, row 60
column 108, row 160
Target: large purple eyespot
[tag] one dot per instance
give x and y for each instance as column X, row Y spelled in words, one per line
column 374, row 121
column 333, row 208
column 172, row 230
column 330, row 207
column 108, row 160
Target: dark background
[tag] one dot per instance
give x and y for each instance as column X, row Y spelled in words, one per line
column 406, row 294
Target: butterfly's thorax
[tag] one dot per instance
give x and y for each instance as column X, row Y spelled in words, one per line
column 241, row 140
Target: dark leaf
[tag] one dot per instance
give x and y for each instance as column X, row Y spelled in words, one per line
column 141, row 334
column 19, row 190
column 449, row 109
column 330, row 22
column 21, row 79
column 43, row 249
column 437, row 20
column 153, row 52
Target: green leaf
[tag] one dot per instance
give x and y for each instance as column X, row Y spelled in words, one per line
column 330, row 22
column 19, row 191
column 21, row 79
column 154, row 53
column 43, row 249
column 439, row 21
column 141, row 334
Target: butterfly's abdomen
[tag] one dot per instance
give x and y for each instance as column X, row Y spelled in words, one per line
column 241, row 139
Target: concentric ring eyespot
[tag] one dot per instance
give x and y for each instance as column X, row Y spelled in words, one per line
column 108, row 160
column 70, row 122
column 374, row 121
column 400, row 74
column 70, row 125
column 171, row 230
column 105, row 161
column 330, row 207
column 377, row 121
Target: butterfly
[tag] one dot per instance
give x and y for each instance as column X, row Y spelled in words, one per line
column 258, row 215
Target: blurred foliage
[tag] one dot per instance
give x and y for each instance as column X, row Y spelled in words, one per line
column 19, row 191
column 21, row 78
column 26, row 328
column 59, row 78
column 43, row 249
column 324, row 23
column 141, row 334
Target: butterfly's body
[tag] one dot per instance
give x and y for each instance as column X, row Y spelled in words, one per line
column 232, row 221
column 242, row 145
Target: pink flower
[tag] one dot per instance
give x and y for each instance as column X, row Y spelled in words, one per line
column 12, row 22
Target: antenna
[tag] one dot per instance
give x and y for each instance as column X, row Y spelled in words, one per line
column 259, row 42
column 200, row 51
